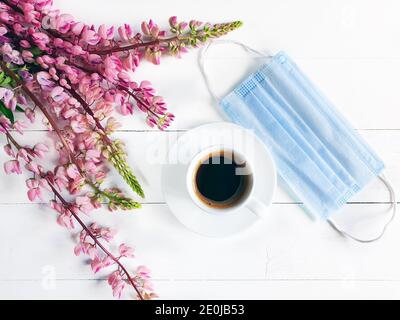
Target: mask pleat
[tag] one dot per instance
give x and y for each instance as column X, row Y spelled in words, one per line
column 318, row 155
column 305, row 137
column 307, row 180
column 346, row 144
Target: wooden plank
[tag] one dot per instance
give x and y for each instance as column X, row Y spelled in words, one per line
column 285, row 245
column 147, row 152
column 364, row 90
column 207, row 290
column 308, row 28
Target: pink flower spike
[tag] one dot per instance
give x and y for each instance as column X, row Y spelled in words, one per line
column 12, row 166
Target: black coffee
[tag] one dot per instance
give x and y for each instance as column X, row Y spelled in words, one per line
column 218, row 181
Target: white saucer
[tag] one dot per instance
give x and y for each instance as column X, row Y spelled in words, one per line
column 174, row 171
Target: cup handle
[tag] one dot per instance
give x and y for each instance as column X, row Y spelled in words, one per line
column 257, row 207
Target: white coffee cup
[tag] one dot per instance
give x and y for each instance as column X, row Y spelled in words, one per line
column 246, row 197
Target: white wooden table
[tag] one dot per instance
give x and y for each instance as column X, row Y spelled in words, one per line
column 351, row 49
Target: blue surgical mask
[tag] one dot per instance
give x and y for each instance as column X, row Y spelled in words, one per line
column 321, row 159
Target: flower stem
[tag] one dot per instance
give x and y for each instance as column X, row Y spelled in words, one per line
column 133, row 46
column 94, row 238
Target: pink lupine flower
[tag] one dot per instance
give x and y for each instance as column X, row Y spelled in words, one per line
column 63, row 23
column 20, row 125
column 100, row 176
column 117, row 283
column 5, row 124
column 130, row 62
column 7, row 96
column 143, row 272
column 84, row 204
column 92, row 251
column 9, row 151
column 125, row 32
column 40, row 149
column 23, row 153
column 126, row 109
column 33, row 167
column 12, row 166
column 96, row 264
column 76, row 185
column 112, row 67
column 103, row 110
column 77, row 28
column 126, row 251
column 90, row 37
column 40, row 39
column 150, row 29
column 93, row 155
column 3, row 31
column 151, row 122
column 108, row 261
column 173, row 21
column 72, row 171
column 153, row 55
column 106, row 233
column 126, row 76
column 112, row 125
column 60, row 178
column 43, row 78
column 79, row 123
column 78, row 249
column 43, row 183
column 65, row 220
column 102, row 32
column 30, row 114
column 33, row 189
column 58, row 94
column 27, row 56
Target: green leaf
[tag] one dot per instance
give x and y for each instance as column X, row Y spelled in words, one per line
column 6, row 81
column 7, row 112
column 36, row 51
column 19, row 109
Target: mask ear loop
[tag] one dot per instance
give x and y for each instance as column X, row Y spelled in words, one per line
column 201, row 61
column 203, row 55
column 393, row 207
